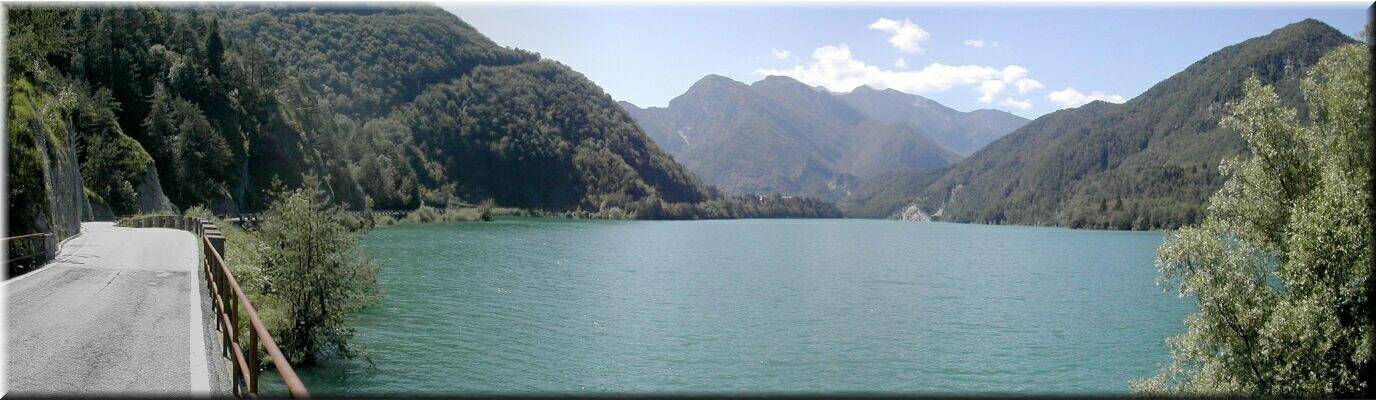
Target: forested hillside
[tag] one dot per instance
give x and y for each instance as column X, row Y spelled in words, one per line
column 885, row 195
column 150, row 108
column 539, row 135
column 157, row 110
column 1145, row 164
column 364, row 60
column 477, row 120
column 962, row 132
column 780, row 135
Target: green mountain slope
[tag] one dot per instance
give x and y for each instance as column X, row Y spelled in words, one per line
column 1148, row 163
column 156, row 106
column 743, row 140
column 779, row 135
column 539, row 135
column 396, row 106
column 882, row 147
column 885, row 195
column 961, row 132
column 365, row 60
column 481, row 121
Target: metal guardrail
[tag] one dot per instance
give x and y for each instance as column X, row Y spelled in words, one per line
column 25, row 252
column 229, row 300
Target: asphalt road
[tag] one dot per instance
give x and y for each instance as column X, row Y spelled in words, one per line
column 120, row 310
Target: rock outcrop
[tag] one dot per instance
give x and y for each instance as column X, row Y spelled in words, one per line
column 67, row 204
column 150, row 194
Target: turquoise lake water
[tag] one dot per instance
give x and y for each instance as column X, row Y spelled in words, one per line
column 765, row 306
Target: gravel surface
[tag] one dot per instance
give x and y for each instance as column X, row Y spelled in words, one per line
column 119, row 310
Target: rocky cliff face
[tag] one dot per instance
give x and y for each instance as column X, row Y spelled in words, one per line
column 60, row 189
column 67, row 204
column 914, row 213
column 151, row 197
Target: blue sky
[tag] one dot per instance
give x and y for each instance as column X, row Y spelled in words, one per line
column 1032, row 55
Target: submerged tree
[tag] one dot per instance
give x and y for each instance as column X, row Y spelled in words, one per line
column 1280, row 266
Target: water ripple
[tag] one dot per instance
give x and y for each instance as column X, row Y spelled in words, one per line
column 529, row 305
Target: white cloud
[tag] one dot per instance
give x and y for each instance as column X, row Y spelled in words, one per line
column 835, row 68
column 977, row 43
column 900, row 63
column 990, row 89
column 906, row 35
column 780, row 54
column 1013, row 73
column 1069, row 97
column 1021, row 104
column 1027, row 85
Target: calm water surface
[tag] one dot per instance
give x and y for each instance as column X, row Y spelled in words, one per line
column 538, row 305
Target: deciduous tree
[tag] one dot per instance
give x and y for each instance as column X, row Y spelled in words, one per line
column 1280, row 267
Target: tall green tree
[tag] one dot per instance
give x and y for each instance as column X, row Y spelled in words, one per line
column 315, row 274
column 214, row 48
column 1280, row 265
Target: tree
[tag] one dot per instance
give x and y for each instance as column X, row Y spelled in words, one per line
column 214, row 48
column 1279, row 266
column 315, row 274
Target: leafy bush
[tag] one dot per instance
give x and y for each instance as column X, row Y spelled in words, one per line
column 1281, row 265
column 315, row 272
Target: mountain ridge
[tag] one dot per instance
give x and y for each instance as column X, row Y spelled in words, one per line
column 780, row 135
column 1148, row 163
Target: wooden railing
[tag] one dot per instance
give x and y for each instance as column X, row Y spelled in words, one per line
column 229, row 301
column 253, row 220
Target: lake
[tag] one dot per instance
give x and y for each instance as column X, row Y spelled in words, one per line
column 525, row 305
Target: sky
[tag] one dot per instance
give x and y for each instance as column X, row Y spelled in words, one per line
column 1026, row 59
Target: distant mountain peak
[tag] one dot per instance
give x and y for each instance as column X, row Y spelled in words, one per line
column 715, row 77
column 716, row 80
column 782, row 135
column 779, row 79
column 1306, row 24
column 710, row 86
column 958, row 131
column 785, row 82
column 1304, row 31
column 871, row 90
column 896, row 95
column 1097, row 104
column 892, row 92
